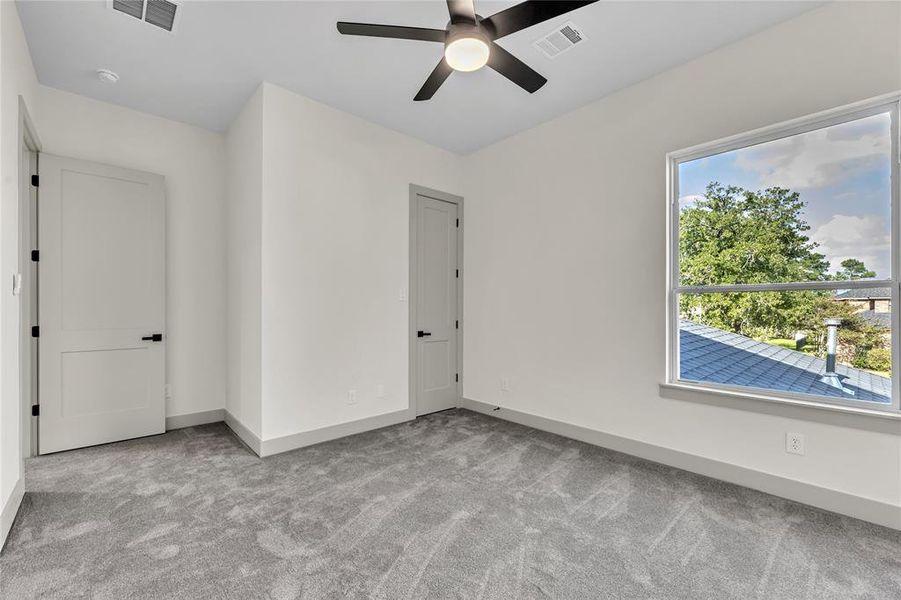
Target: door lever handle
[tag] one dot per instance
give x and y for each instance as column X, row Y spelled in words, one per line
column 156, row 337
column 423, row 334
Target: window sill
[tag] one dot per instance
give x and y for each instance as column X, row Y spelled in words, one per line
column 888, row 421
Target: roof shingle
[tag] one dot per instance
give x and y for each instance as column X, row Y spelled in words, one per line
column 711, row 355
column 877, row 293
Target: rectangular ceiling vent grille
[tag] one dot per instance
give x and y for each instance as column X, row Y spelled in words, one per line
column 159, row 13
column 135, row 8
column 560, row 40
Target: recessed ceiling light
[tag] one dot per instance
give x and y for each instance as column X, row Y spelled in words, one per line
column 107, row 76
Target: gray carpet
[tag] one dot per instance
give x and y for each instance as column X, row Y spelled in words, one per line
column 454, row 505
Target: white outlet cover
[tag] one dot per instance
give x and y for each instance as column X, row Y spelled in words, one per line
column 352, row 396
column 794, row 443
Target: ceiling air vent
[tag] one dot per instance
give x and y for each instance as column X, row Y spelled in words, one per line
column 160, row 13
column 135, row 8
column 560, row 40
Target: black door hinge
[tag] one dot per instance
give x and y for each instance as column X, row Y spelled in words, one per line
column 35, row 410
column 458, row 273
column 458, row 222
column 35, row 331
column 35, row 255
column 456, row 324
column 456, row 377
column 35, row 180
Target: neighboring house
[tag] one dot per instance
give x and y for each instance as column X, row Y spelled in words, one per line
column 711, row 355
column 879, row 319
column 874, row 305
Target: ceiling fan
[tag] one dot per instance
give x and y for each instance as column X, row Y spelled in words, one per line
column 469, row 40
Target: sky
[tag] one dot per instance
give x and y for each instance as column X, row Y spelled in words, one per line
column 843, row 174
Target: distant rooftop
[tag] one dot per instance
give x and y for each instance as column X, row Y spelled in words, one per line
column 877, row 293
column 879, row 319
column 711, row 355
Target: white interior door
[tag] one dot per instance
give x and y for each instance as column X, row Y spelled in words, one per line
column 436, row 305
column 101, row 298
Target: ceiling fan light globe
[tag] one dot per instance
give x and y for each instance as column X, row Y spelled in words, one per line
column 467, row 54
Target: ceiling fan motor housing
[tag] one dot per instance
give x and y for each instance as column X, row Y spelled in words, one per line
column 456, row 31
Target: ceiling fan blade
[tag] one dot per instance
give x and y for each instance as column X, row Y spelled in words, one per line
column 527, row 14
column 461, row 11
column 515, row 70
column 431, row 85
column 393, row 31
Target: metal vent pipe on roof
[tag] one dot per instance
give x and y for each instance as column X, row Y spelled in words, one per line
column 830, row 377
column 831, row 344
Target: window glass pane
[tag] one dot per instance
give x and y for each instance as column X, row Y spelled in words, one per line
column 810, row 207
column 781, row 341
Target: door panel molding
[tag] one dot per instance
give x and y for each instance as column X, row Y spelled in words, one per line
column 413, row 292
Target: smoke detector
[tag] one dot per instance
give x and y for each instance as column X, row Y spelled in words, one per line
column 560, row 40
column 107, row 76
column 163, row 14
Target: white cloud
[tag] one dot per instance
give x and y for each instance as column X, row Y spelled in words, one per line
column 690, row 200
column 866, row 238
column 818, row 158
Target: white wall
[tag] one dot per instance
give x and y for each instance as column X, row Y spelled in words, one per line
column 335, row 257
column 565, row 254
column 193, row 163
column 16, row 78
column 244, row 143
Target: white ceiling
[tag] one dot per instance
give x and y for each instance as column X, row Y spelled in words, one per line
column 221, row 51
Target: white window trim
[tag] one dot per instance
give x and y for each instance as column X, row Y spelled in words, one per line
column 885, row 103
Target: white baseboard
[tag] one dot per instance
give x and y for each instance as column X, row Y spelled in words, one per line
column 9, row 512
column 867, row 509
column 194, row 419
column 325, row 434
column 244, row 434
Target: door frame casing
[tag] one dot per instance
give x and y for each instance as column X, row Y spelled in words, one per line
column 29, row 149
column 412, row 295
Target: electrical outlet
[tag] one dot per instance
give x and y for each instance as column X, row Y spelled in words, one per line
column 794, row 443
column 352, row 396
column 505, row 384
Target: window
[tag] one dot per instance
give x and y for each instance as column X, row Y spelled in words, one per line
column 784, row 260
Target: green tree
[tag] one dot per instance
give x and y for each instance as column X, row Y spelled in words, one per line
column 733, row 235
column 857, row 337
column 853, row 268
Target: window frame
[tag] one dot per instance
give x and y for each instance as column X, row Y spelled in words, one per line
column 890, row 103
